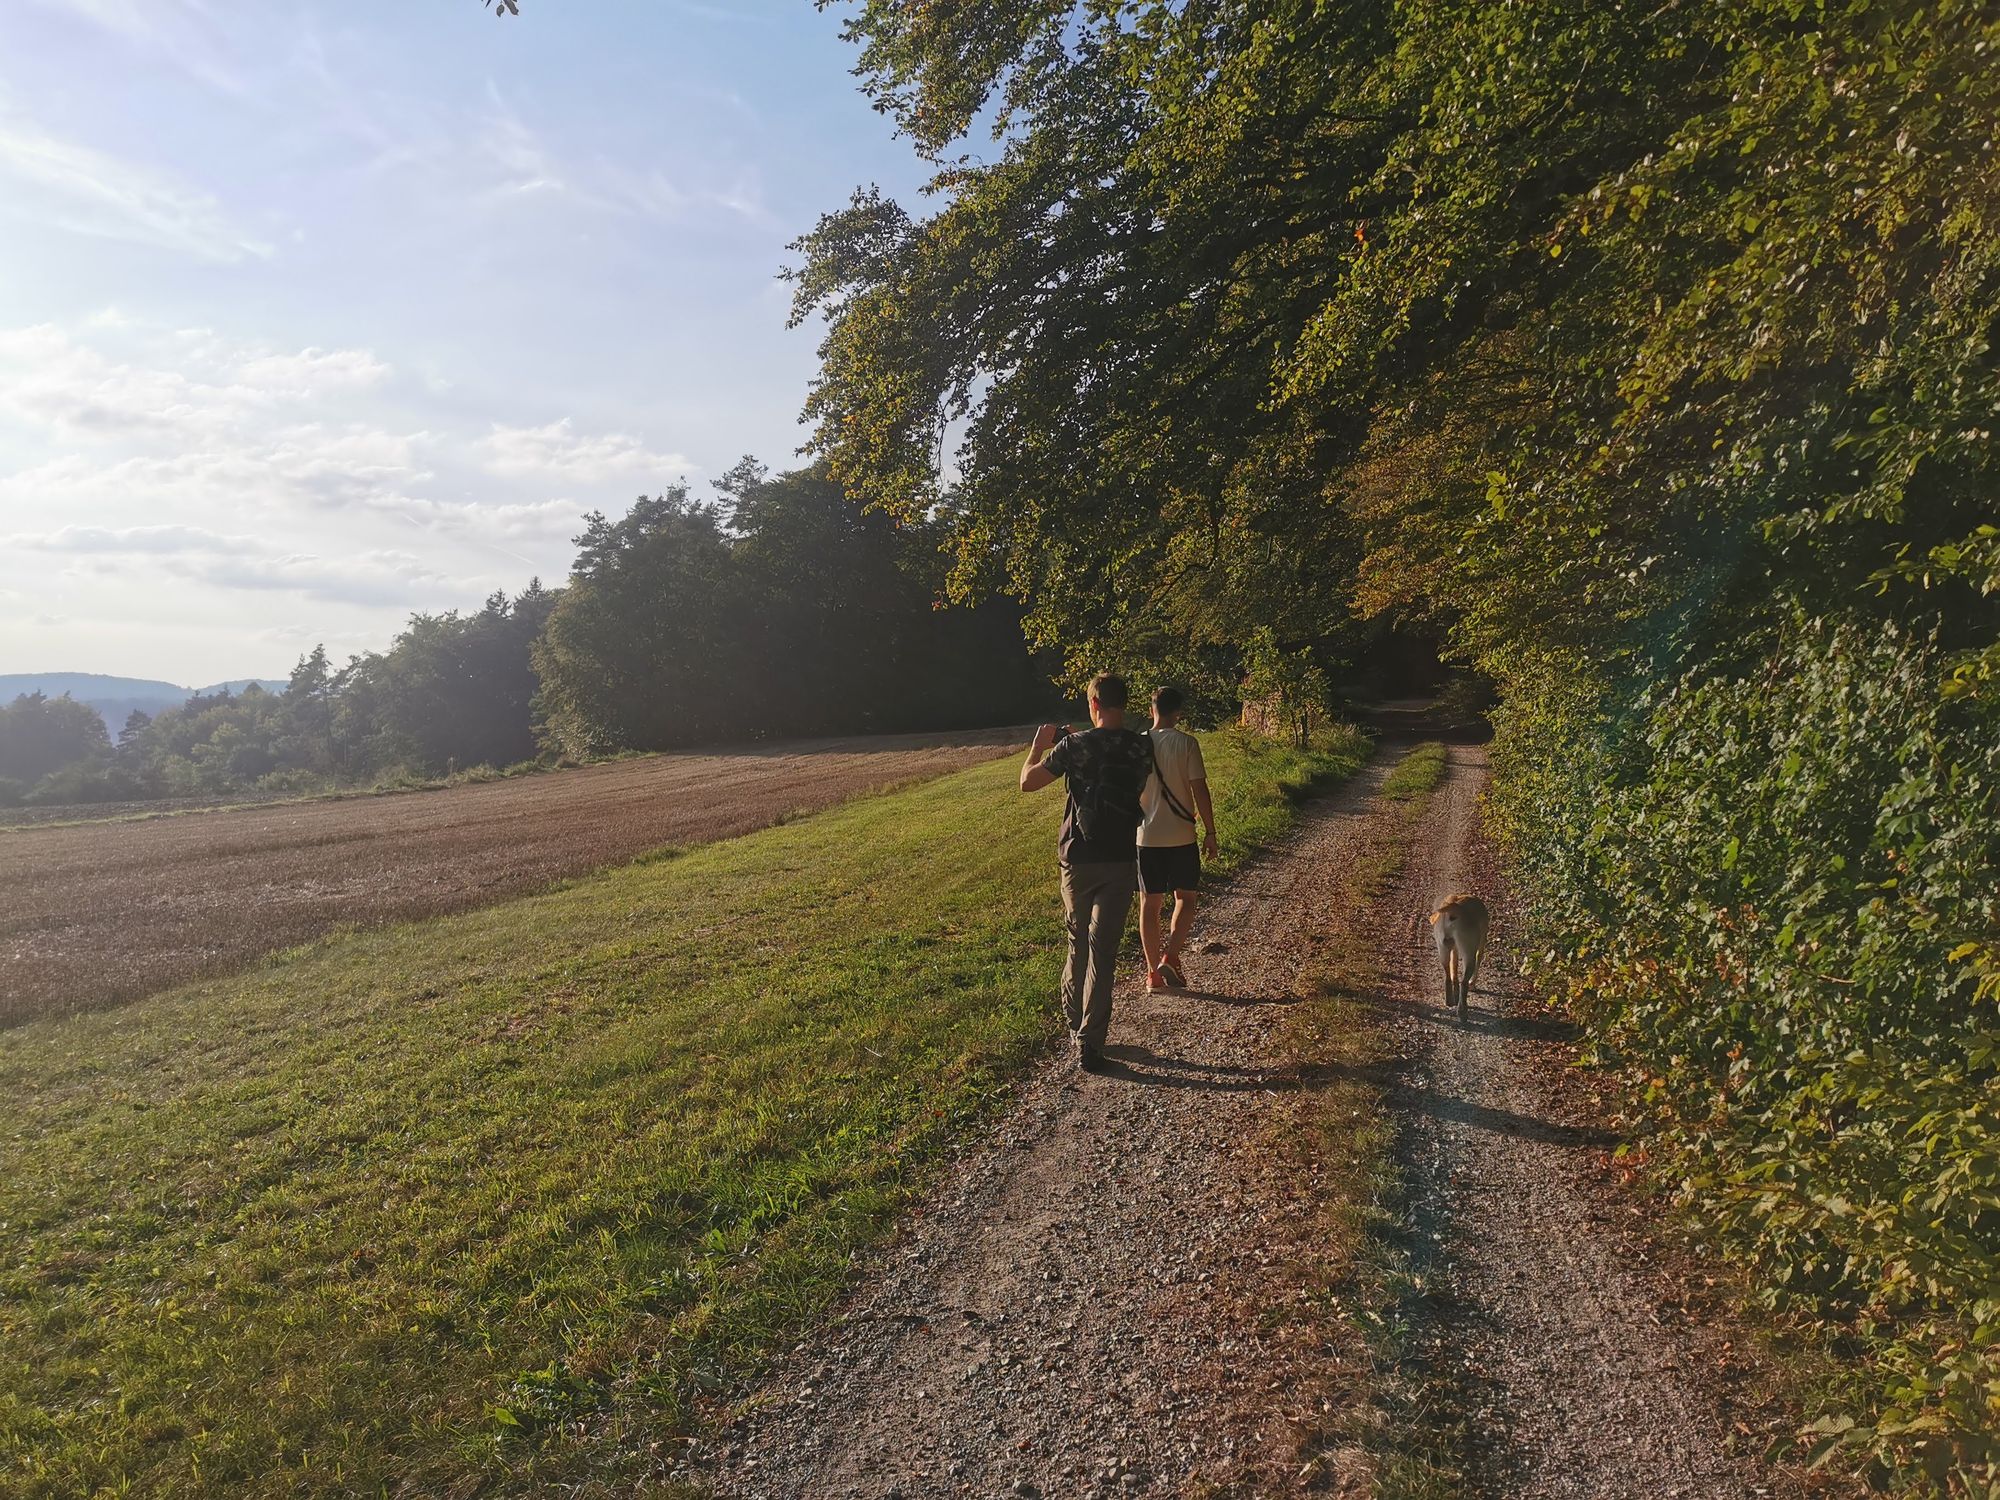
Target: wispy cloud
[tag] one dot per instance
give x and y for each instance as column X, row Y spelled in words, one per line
column 521, row 163
column 124, row 539
column 373, row 577
column 182, row 448
column 199, row 386
column 367, row 578
column 196, row 418
column 87, row 192
column 531, row 520
column 185, row 33
column 557, row 451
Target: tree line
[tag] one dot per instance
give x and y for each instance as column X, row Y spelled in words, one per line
column 1648, row 354
column 781, row 610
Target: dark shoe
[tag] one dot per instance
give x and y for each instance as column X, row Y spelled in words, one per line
column 1090, row 1060
column 1171, row 972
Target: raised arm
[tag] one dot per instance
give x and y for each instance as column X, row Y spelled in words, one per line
column 1035, row 775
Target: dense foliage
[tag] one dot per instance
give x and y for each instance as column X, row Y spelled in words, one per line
column 452, row 692
column 1647, row 351
column 792, row 613
column 40, row 734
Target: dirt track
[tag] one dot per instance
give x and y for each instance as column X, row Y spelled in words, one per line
column 1553, row 1311
column 1113, row 1295
column 96, row 914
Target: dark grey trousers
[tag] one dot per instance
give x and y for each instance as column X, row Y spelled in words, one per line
column 1096, row 900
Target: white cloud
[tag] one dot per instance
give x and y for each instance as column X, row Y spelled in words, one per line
column 87, row 192
column 379, row 576
column 184, row 32
column 311, row 372
column 50, row 377
column 557, row 451
column 196, row 417
column 532, row 519
column 369, row 578
column 124, row 539
column 190, row 481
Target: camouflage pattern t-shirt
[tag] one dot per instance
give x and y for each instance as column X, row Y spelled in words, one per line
column 1118, row 760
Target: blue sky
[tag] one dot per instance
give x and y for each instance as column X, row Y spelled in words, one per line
column 315, row 315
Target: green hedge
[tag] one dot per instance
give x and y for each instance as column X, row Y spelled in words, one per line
column 1772, row 892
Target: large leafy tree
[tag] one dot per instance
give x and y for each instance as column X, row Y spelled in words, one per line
column 784, row 609
column 1648, row 349
column 39, row 734
column 1577, row 315
column 646, row 647
column 1092, row 321
column 453, row 691
column 849, row 633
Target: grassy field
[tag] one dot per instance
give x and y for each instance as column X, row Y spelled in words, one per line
column 497, row 1200
column 100, row 914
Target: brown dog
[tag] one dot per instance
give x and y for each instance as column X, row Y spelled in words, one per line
column 1459, row 930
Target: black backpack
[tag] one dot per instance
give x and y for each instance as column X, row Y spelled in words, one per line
column 1107, row 797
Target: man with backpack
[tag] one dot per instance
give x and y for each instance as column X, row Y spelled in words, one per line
column 1106, row 768
column 1169, row 860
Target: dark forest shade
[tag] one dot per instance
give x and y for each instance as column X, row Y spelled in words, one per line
column 799, row 614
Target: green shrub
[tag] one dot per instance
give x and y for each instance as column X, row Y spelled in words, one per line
column 84, row 781
column 1773, row 894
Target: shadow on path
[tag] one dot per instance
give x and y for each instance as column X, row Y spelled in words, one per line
column 1135, row 1063
column 1140, row 1064
column 1215, row 997
column 1519, row 1028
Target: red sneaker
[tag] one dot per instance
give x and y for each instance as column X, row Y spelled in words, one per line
column 1156, row 983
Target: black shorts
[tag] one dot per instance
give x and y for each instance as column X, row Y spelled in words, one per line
column 1176, row 867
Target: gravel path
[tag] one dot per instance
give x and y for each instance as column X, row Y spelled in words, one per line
column 1077, row 1311
column 1579, row 1387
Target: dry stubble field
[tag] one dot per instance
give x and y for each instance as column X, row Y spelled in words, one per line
column 95, row 914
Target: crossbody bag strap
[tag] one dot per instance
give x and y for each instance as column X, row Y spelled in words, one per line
column 1166, row 791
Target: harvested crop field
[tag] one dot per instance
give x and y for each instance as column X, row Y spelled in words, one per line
column 96, row 914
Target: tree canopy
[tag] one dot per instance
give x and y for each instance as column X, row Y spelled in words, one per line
column 1648, row 352
column 783, row 609
column 1574, row 322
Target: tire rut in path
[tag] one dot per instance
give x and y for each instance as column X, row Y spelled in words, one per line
column 1578, row 1386
column 1052, row 1321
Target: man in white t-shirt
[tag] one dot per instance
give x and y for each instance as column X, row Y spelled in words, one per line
column 1168, row 858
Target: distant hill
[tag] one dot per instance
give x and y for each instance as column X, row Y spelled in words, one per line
column 114, row 698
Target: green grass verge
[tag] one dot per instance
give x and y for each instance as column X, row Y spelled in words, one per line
column 495, row 1202
column 1415, row 776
